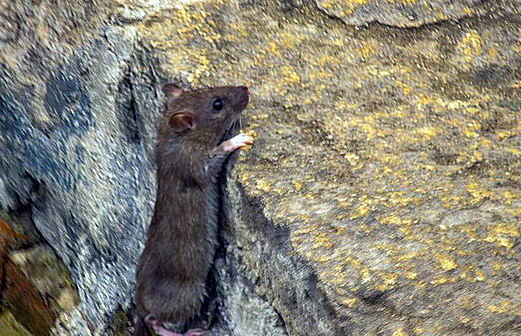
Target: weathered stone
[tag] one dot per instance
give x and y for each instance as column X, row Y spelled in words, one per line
column 19, row 290
column 382, row 194
column 367, row 140
column 69, row 154
column 48, row 276
column 10, row 327
column 406, row 13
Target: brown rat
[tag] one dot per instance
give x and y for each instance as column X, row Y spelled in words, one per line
column 182, row 236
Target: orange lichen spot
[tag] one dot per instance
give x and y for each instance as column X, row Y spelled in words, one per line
column 8, row 234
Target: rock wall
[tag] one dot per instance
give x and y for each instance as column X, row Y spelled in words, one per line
column 382, row 196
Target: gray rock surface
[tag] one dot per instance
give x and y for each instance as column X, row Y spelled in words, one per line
column 406, row 13
column 382, row 196
column 76, row 143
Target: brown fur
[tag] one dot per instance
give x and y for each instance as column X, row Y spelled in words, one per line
column 182, row 236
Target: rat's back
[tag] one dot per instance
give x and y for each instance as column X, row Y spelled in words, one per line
column 178, row 255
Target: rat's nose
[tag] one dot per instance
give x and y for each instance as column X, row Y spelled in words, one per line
column 243, row 97
column 245, row 89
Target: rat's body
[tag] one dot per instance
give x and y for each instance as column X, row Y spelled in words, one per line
column 182, row 236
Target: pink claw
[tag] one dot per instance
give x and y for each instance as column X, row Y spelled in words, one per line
column 166, row 332
column 237, row 142
column 160, row 330
column 158, row 327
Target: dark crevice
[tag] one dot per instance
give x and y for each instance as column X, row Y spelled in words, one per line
column 131, row 122
column 378, row 299
column 373, row 297
column 209, row 311
column 280, row 322
column 24, row 205
column 4, row 260
column 121, row 320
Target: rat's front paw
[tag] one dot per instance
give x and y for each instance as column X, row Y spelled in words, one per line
column 237, row 142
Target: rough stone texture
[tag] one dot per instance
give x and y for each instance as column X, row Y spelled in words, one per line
column 406, row 13
column 20, row 299
column 382, row 196
column 11, row 327
column 76, row 143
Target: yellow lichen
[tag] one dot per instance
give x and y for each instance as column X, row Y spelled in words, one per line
column 400, row 332
column 264, row 185
column 446, row 262
column 503, row 235
column 361, row 211
column 504, row 307
column 471, row 44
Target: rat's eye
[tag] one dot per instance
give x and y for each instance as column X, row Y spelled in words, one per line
column 218, row 104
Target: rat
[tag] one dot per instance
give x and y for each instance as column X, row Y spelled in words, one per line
column 194, row 141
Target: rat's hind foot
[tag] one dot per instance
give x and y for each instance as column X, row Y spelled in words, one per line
column 160, row 329
column 194, row 332
column 237, row 142
column 165, row 332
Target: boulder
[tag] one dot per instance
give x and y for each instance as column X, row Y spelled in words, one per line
column 382, row 195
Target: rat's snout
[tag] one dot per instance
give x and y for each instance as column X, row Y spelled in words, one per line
column 245, row 89
column 243, row 97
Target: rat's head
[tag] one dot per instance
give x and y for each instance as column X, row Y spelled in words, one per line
column 204, row 116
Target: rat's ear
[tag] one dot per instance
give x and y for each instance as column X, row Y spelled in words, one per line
column 171, row 90
column 181, row 121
